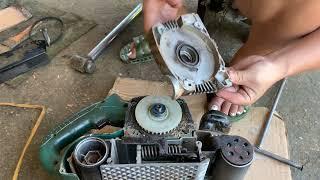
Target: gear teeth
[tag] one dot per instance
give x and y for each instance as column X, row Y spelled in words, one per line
column 149, row 123
column 158, row 133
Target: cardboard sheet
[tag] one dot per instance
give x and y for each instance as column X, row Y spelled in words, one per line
column 12, row 16
column 262, row 168
column 13, row 41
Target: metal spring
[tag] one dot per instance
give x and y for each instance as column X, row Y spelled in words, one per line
column 174, row 149
column 171, row 25
column 152, row 151
column 149, row 151
column 207, row 87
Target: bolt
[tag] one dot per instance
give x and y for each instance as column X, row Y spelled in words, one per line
column 92, row 157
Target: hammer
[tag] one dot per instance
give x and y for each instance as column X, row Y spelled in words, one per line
column 87, row 64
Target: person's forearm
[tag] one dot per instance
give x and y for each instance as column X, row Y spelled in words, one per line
column 299, row 56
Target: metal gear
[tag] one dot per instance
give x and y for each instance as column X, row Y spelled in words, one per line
column 158, row 114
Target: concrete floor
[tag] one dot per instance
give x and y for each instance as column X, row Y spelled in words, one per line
column 65, row 91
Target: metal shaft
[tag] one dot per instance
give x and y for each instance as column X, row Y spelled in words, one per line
column 266, row 129
column 279, row 158
column 273, row 109
column 96, row 51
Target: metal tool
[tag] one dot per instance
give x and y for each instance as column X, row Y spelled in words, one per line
column 32, row 59
column 71, row 152
column 266, row 129
column 87, row 64
column 43, row 33
column 273, row 110
column 279, row 158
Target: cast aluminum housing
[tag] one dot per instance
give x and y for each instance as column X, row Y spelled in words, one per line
column 185, row 53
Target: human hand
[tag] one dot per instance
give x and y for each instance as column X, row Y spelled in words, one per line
column 156, row 11
column 252, row 77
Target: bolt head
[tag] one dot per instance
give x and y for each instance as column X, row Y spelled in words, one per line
column 92, row 157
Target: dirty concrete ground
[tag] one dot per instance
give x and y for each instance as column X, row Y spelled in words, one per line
column 65, row 91
column 5, row 3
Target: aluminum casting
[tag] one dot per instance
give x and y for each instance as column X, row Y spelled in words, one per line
column 185, row 53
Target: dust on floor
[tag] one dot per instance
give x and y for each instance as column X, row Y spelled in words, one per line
column 65, row 91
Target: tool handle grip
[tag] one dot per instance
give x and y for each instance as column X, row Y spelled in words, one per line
column 111, row 111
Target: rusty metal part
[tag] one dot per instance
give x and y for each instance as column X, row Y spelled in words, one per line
column 188, row 56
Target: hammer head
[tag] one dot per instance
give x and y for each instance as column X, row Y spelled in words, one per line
column 83, row 64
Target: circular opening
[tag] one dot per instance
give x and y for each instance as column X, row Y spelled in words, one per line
column 240, row 157
column 248, row 153
column 187, row 55
column 229, row 144
column 91, row 151
column 230, row 153
column 158, row 110
column 236, row 140
column 245, row 144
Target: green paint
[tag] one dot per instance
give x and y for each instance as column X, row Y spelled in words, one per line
column 111, row 111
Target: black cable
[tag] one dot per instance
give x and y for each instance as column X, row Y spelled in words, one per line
column 33, row 41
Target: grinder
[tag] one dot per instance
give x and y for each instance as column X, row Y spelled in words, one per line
column 185, row 53
column 159, row 140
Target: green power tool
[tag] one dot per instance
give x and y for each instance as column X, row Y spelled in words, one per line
column 158, row 140
column 56, row 146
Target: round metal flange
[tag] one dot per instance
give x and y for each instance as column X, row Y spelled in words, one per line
column 158, row 114
column 185, row 51
column 187, row 55
column 237, row 150
column 91, row 152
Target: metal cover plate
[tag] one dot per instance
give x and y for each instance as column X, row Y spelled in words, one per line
column 155, row 171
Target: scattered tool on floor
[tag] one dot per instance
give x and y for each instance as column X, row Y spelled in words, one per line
column 87, row 64
column 32, row 59
column 41, row 36
column 266, row 129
